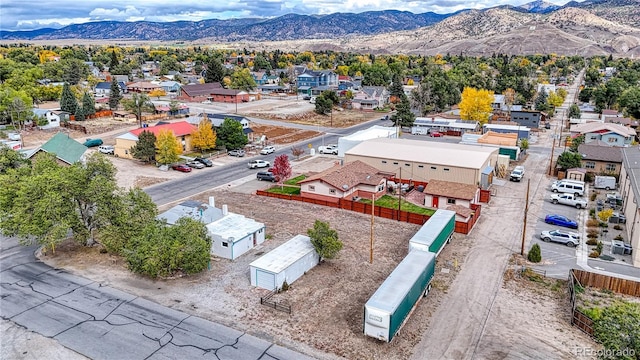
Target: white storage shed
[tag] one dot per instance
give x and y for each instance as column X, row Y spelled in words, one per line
column 287, row 262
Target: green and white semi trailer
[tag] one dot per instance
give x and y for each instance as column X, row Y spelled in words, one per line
column 435, row 233
column 390, row 306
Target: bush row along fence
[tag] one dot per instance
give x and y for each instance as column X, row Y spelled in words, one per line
column 278, row 305
column 581, row 279
column 393, row 214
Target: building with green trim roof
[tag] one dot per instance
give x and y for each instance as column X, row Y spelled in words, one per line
column 64, row 147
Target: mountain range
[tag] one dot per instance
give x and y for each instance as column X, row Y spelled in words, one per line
column 592, row 27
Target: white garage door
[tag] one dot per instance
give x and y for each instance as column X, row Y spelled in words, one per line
column 265, row 280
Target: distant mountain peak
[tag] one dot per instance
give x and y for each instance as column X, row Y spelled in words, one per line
column 539, row 7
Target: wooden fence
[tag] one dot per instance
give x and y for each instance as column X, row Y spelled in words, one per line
column 387, row 213
column 278, row 305
column 617, row 285
column 578, row 318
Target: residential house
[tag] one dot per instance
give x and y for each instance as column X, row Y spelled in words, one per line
column 52, row 116
column 370, row 98
column 612, row 134
column 197, row 92
column 119, row 78
column 628, row 122
column 548, row 88
column 181, row 130
column 498, row 102
column 144, row 87
column 104, row 88
column 318, row 78
column 67, row 150
column 170, row 86
column 165, row 108
column 441, row 194
column 609, row 113
column 599, row 158
column 350, row 181
column 228, row 95
column 260, row 77
column 232, row 235
column 217, row 119
column 630, row 190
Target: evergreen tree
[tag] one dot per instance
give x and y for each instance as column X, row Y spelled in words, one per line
column 114, row 60
column 324, row 240
column 231, row 135
column 145, row 148
column 534, row 254
column 541, row 101
column 114, row 95
column 215, row 71
column 88, row 104
column 79, row 114
column 68, row 101
column 403, row 116
column 396, row 90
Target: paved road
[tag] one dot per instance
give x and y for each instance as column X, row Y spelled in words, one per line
column 198, row 182
column 101, row 322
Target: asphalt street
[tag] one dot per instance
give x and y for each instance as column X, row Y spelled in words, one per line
column 101, row 322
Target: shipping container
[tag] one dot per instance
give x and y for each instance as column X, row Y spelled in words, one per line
column 435, row 233
column 393, row 302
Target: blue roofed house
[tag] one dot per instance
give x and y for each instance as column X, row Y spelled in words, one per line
column 67, row 150
column 231, row 234
column 309, row 80
column 104, row 88
column 170, row 86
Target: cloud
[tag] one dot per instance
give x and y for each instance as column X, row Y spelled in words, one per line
column 114, row 13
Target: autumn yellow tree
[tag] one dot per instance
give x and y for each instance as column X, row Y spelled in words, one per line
column 157, row 93
column 204, row 138
column 555, row 99
column 167, row 147
column 509, row 98
column 476, row 104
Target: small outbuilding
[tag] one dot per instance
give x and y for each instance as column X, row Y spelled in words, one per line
column 287, row 262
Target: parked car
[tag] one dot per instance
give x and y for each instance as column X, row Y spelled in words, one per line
column 560, row 220
column 306, row 97
column 328, row 149
column 181, row 167
column 258, row 164
column 195, row 164
column 205, row 162
column 517, row 173
column 569, row 199
column 106, row 149
column 568, row 238
column 236, row 152
column 266, row 175
column 207, row 102
column 436, row 134
column 267, row 150
column 92, row 142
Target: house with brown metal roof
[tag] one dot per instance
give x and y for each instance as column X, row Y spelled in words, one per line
column 441, row 194
column 350, row 181
column 197, row 92
column 599, row 158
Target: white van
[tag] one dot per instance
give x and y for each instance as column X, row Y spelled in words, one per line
column 570, row 187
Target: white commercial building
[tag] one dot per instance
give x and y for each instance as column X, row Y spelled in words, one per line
column 347, row 142
column 287, row 262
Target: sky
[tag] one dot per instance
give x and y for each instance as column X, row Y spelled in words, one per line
column 30, row 14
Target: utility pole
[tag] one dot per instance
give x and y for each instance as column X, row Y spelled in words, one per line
column 373, row 204
column 553, row 146
column 399, row 192
column 524, row 225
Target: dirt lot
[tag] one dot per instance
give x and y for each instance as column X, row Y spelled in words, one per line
column 305, row 115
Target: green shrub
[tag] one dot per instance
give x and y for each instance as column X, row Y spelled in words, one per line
column 593, row 196
column 285, row 286
column 593, row 313
column 619, row 237
column 617, row 227
column 599, row 247
column 592, row 213
column 603, row 224
column 534, row 254
column 592, row 242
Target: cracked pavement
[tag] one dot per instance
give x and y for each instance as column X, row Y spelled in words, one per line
column 101, row 322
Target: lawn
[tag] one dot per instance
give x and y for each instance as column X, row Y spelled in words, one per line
column 289, row 188
column 391, row 202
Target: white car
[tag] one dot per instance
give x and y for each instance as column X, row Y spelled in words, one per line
column 258, row 164
column 267, row 150
column 328, row 149
column 568, row 238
